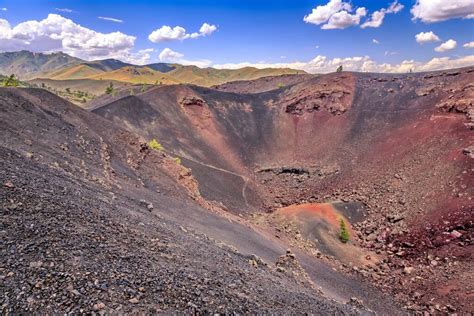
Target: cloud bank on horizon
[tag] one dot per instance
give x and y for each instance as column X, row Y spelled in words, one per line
column 58, row 33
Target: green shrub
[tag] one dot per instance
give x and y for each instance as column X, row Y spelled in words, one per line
column 110, row 88
column 177, row 160
column 153, row 144
column 280, row 85
column 11, row 81
column 343, row 233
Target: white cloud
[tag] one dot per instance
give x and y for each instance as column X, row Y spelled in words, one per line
column 336, row 14
column 395, row 7
column 64, row 10
column 170, row 56
column 469, row 45
column 3, row 9
column 448, row 45
column 375, row 41
column 56, row 33
column 376, row 18
column 322, row 13
column 322, row 64
column 106, row 18
column 343, row 19
column 425, row 37
column 430, row 11
column 207, row 29
column 168, row 33
column 141, row 57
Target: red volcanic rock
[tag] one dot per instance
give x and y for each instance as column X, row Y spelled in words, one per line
column 469, row 151
column 333, row 93
column 189, row 101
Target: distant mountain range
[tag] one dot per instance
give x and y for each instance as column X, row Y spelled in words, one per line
column 59, row 66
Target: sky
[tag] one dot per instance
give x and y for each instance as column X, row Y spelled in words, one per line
column 313, row 35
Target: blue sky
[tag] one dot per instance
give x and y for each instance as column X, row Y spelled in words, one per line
column 254, row 32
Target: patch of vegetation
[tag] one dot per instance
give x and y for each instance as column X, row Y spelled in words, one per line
column 339, row 69
column 280, row 85
column 343, row 232
column 11, row 81
column 153, row 144
column 177, row 160
column 110, row 89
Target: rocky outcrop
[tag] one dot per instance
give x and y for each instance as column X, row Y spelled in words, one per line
column 333, row 93
column 192, row 101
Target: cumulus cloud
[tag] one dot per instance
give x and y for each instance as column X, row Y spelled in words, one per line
column 469, row 45
column 178, row 33
column 448, row 45
column 167, row 33
column 425, row 37
column 375, row 41
column 322, row 64
column 141, row 57
column 56, row 33
column 3, row 9
column 430, row 11
column 336, row 14
column 322, row 13
column 343, row 19
column 170, row 56
column 64, row 10
column 106, row 18
column 207, row 29
column 376, row 18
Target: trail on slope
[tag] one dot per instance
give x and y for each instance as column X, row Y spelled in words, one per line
column 244, row 178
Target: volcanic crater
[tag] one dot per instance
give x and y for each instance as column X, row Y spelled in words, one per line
column 239, row 207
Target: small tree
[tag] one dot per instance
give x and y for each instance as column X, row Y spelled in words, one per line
column 68, row 90
column 343, row 233
column 11, row 81
column 110, row 89
column 339, row 69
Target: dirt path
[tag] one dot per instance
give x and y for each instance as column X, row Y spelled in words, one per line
column 244, row 178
